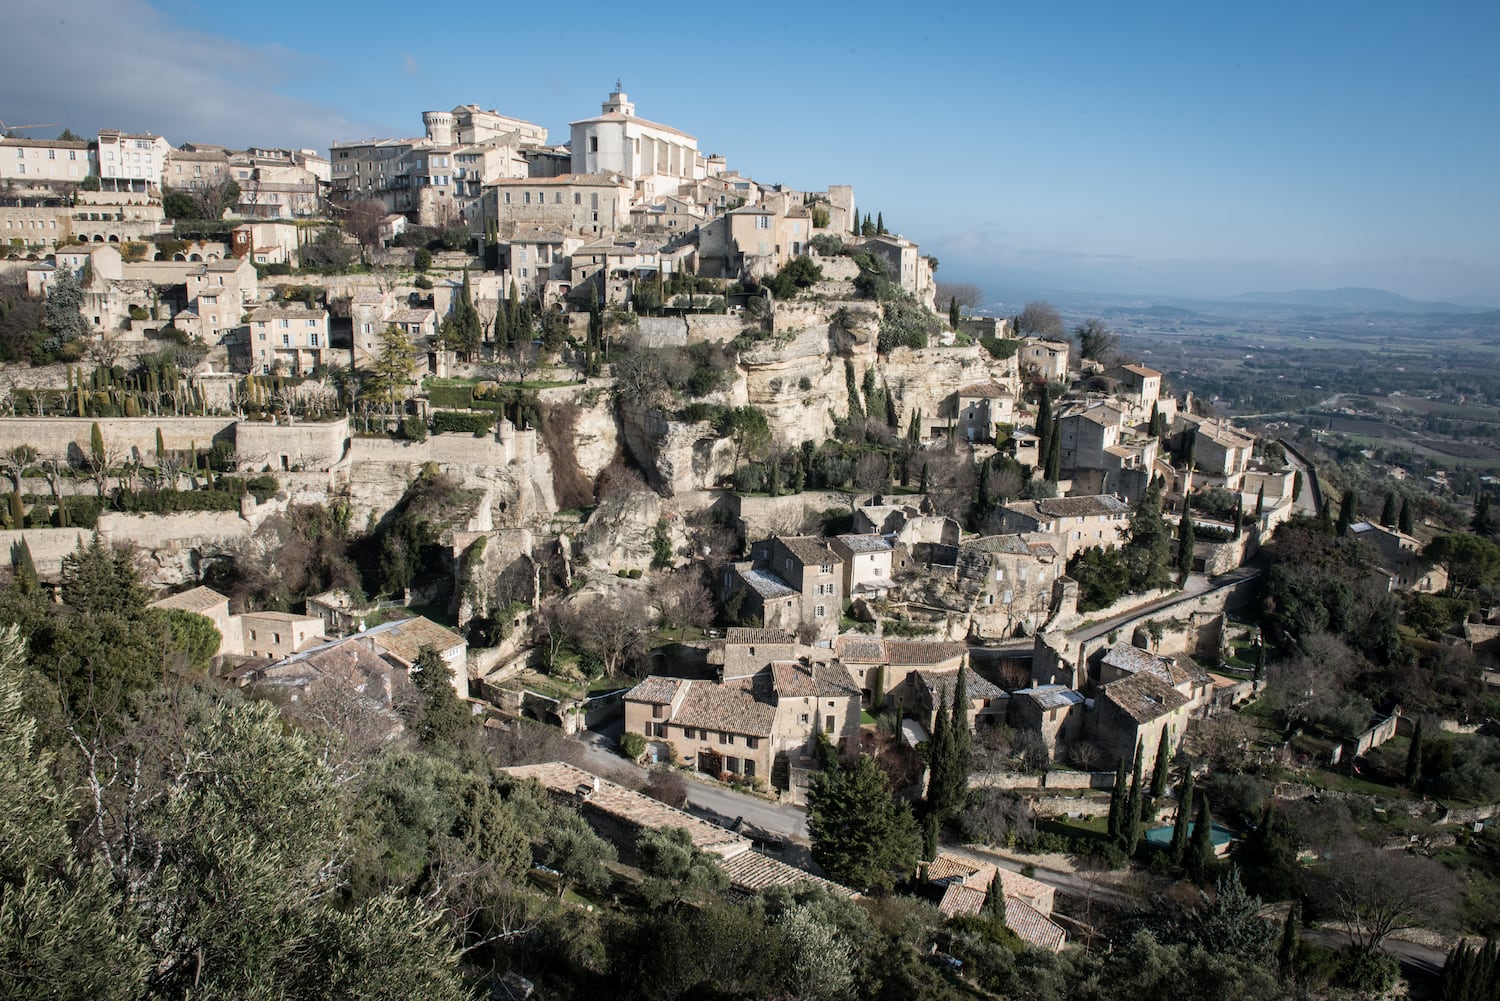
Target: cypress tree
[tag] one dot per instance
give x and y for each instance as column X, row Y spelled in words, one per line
column 880, row 224
column 1482, row 524
column 1325, row 517
column 929, row 836
column 958, row 732
column 1178, row 846
column 1414, row 756
column 1404, row 520
column 982, row 498
column 1130, row 833
column 1239, row 516
column 1260, row 659
column 994, row 899
column 953, row 312
column 1296, row 485
column 96, row 443
column 940, row 762
column 1201, row 856
column 161, row 447
column 1388, row 510
column 1118, row 801
column 1186, row 539
column 922, row 485
column 1260, row 501
column 1291, row 931
column 26, row 578
column 17, row 511
column 1054, row 454
column 1347, row 512
column 1159, row 775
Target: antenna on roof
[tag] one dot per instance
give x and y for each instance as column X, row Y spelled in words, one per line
column 617, row 84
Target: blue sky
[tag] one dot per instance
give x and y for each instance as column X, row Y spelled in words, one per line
column 1187, row 149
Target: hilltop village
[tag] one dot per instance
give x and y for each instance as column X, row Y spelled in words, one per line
column 685, row 489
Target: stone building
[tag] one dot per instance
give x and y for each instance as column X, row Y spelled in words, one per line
column 1047, row 360
column 655, row 159
column 759, row 720
column 292, row 340
column 1071, row 523
column 791, row 583
column 46, row 163
column 866, row 562
column 978, row 408
column 131, row 162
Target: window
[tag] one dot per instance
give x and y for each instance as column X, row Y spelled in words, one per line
column 656, row 712
column 752, row 742
column 827, row 724
column 803, row 720
column 577, row 198
column 819, row 612
column 52, row 154
column 762, row 222
column 731, row 764
column 312, row 340
column 726, row 738
column 688, row 733
column 593, row 144
column 285, row 322
column 72, row 154
column 286, row 340
column 826, row 568
column 749, row 768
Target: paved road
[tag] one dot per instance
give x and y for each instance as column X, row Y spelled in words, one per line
column 1197, row 584
column 713, row 803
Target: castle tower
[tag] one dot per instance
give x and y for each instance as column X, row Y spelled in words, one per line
column 439, row 126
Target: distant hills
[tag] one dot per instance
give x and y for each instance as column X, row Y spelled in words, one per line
column 1362, row 299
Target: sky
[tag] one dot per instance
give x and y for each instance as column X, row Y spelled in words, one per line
column 1172, row 149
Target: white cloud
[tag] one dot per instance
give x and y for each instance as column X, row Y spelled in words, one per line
column 92, row 64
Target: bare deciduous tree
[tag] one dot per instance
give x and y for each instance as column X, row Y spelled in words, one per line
column 362, row 220
column 1378, row 892
column 682, row 600
column 964, row 293
column 1040, row 319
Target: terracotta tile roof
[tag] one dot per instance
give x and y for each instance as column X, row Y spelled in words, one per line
column 1093, row 506
column 811, row 550
column 1143, row 697
column 978, row 688
column 1033, row 926
column 742, row 706
column 859, row 649
column 405, row 638
column 752, row 872
column 634, row 808
column 1141, row 370
column 985, row 390
column 959, row 899
column 922, row 653
column 865, row 543
column 793, row 681
column 198, row 599
column 1042, row 550
column 656, row 690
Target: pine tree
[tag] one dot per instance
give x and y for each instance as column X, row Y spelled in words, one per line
column 1404, row 520
column 1130, row 832
column 1291, row 930
column 1388, row 510
column 1178, row 846
column 1159, row 774
column 444, row 716
column 1414, row 756
column 860, row 834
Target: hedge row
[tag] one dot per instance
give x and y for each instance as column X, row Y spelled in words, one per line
column 447, row 421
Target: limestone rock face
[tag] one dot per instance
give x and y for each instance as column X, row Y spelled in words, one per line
column 618, row 534
column 675, row 456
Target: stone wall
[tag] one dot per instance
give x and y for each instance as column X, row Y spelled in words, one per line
column 48, row 546
column 134, row 437
column 307, row 445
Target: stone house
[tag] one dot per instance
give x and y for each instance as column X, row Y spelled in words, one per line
column 752, row 240
column 403, row 641
column 1047, row 359
column 1057, row 712
column 866, row 562
column 666, row 215
column 1008, row 580
column 1138, row 386
column 979, row 407
column 218, row 295
column 909, row 269
column 214, row 606
column 46, row 163
column 1070, row 523
column 1134, row 709
column 274, row 635
column 795, row 581
column 1124, row 660
column 591, row 205
column 291, row 340
column 1221, row 451
column 1401, row 557
column 350, row 666
column 760, row 719
column 961, row 883
column 130, row 162
column 912, row 675
column 1084, row 434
